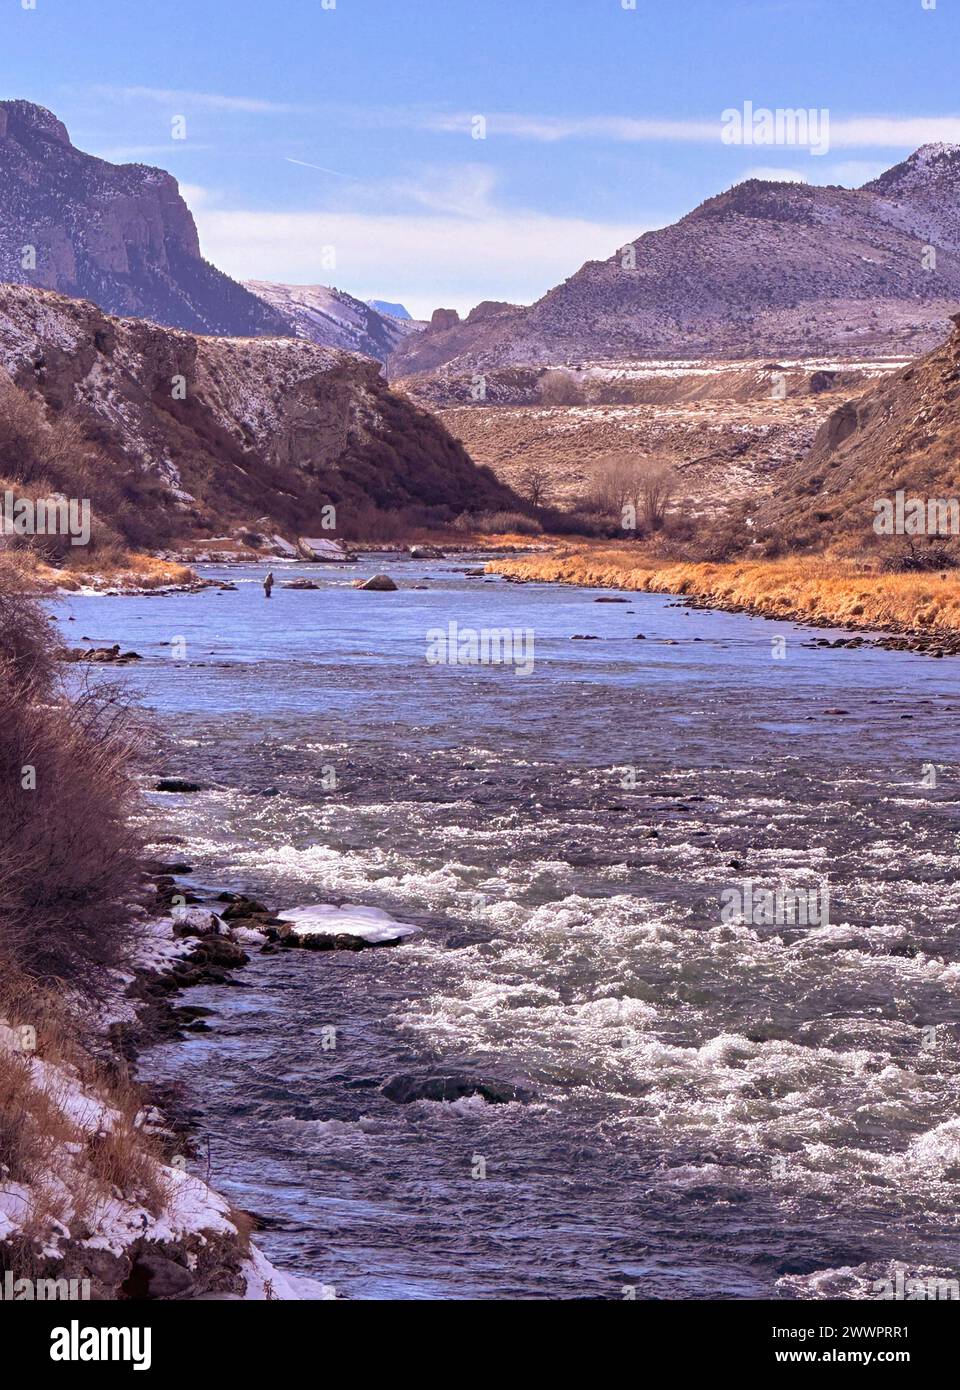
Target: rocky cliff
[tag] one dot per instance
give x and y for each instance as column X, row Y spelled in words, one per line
column 120, row 235
column 207, row 432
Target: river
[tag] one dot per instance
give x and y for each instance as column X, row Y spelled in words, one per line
column 720, row 1109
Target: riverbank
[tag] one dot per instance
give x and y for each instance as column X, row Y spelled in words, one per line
column 127, row 572
column 96, row 1200
column 921, row 611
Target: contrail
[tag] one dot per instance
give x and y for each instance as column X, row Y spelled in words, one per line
column 322, row 168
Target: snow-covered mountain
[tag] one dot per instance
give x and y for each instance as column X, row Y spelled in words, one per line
column 333, row 318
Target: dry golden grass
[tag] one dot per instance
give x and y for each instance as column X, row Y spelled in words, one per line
column 108, row 570
column 819, row 589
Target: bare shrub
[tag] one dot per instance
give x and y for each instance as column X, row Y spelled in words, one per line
column 70, row 862
column 637, row 489
column 533, row 482
column 560, row 387
column 497, row 523
column 914, row 561
column 656, row 490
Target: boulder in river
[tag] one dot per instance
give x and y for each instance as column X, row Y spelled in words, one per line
column 405, row 1088
column 382, row 583
column 320, row 548
column 177, row 784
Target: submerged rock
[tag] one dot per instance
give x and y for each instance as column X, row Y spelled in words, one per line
column 405, row 1088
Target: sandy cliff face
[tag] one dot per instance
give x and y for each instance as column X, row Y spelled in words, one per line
column 120, row 235
column 904, row 434
column 230, row 430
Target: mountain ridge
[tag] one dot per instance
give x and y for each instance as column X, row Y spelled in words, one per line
column 763, row 268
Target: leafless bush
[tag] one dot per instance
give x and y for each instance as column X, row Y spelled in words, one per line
column 497, row 523
column 633, row 490
column 69, row 863
column 560, row 387
column 914, row 561
column 533, row 482
column 656, row 490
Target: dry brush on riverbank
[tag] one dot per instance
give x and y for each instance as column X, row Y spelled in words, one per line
column 818, row 589
column 91, row 1188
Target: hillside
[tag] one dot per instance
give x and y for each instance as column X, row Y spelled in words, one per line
column 333, row 318
column 719, row 427
column 902, row 434
column 271, row 428
column 766, row 268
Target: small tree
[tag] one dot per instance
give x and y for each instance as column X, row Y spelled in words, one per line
column 656, row 489
column 635, row 492
column 560, row 387
column 532, row 483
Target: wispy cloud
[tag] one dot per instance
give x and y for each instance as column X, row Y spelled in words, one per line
column 849, row 132
column 552, row 128
column 460, row 189
column 179, row 99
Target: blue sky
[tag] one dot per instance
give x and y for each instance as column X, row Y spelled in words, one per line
column 335, row 145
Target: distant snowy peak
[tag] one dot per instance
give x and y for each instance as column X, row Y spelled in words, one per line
column 331, row 317
column 396, row 311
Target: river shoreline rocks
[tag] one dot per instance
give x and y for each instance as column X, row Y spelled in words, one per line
column 100, row 654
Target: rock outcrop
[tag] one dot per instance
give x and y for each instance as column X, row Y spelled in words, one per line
column 119, row 235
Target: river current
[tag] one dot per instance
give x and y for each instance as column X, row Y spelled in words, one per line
column 720, row 1108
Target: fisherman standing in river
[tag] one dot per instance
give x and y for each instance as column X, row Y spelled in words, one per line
column 268, row 585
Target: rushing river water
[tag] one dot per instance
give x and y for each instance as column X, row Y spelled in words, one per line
column 721, row 1109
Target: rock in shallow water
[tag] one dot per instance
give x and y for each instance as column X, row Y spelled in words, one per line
column 405, row 1088
column 380, row 582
